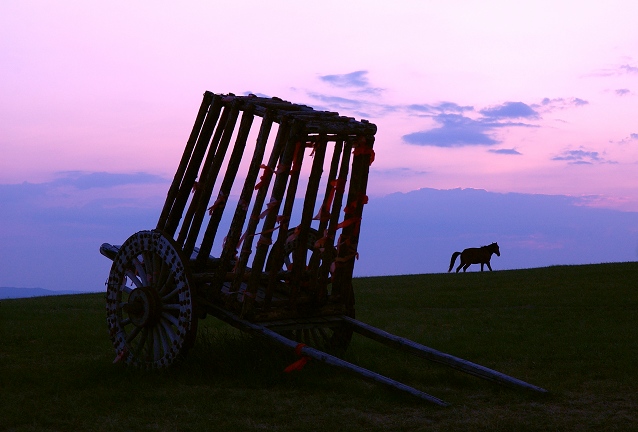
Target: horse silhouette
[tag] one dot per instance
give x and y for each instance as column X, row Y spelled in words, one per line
column 471, row 256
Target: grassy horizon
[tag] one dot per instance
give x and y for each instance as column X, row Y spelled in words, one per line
column 569, row 329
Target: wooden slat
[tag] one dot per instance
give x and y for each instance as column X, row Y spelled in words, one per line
column 194, row 164
column 179, row 174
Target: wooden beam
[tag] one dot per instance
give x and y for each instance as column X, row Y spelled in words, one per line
column 321, row 356
column 423, row 351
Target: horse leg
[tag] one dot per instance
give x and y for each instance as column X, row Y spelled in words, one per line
column 481, row 266
column 488, row 265
column 466, row 266
column 461, row 264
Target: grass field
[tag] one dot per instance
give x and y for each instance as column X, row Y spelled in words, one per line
column 572, row 330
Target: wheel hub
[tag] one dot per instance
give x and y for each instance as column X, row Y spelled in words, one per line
column 144, row 307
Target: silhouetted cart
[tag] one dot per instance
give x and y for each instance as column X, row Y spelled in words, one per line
column 276, row 248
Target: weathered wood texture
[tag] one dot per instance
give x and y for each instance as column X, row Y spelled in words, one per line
column 288, row 186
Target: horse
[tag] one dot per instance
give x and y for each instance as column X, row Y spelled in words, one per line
column 480, row 255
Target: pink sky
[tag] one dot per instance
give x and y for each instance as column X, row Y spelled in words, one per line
column 533, row 97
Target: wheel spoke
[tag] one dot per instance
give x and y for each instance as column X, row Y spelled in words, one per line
column 169, row 331
column 170, row 294
column 324, row 335
column 142, row 342
column 140, row 270
column 133, row 278
column 164, row 338
column 165, row 273
column 173, row 320
column 133, row 334
column 147, row 262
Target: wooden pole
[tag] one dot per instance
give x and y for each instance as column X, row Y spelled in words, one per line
column 321, row 356
column 229, row 128
column 436, row 356
column 207, row 177
column 209, row 105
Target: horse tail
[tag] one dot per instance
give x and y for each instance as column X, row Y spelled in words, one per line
column 454, row 255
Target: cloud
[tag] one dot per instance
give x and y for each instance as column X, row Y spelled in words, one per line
column 456, row 131
column 398, row 172
column 439, row 108
column 505, row 151
column 633, row 137
column 60, row 224
column 615, row 71
column 350, row 106
column 356, row 81
column 548, row 105
column 89, row 180
column 626, row 68
column 510, row 110
column 623, row 92
column 581, row 157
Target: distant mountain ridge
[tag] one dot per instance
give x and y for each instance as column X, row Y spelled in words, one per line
column 12, row 292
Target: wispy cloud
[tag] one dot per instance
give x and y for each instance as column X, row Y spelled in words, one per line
column 354, row 81
column 505, row 151
column 438, row 108
column 581, row 157
column 510, row 110
column 548, row 105
column 623, row 92
column 630, row 69
column 88, row 180
column 623, row 69
column 455, row 131
column 398, row 172
column 632, row 138
column 458, row 130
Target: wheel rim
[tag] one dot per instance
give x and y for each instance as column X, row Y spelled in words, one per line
column 149, row 304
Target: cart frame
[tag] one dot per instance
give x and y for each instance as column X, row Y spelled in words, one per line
column 292, row 207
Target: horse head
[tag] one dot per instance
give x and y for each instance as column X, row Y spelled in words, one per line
column 494, row 248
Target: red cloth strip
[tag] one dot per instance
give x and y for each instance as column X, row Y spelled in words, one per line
column 299, row 364
column 220, row 201
column 265, row 176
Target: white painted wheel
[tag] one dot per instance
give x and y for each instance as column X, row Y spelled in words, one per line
column 149, row 305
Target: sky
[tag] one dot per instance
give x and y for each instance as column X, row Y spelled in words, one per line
column 97, row 101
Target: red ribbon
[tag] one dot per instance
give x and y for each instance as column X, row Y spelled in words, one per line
column 265, row 176
column 360, row 148
column 273, row 202
column 295, row 163
column 299, row 364
column 324, row 212
column 220, row 201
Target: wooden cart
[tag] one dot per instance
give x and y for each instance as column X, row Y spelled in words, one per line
column 276, row 217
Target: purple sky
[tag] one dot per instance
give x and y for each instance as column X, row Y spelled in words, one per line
column 528, row 97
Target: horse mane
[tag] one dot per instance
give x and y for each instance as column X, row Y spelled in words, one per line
column 488, row 246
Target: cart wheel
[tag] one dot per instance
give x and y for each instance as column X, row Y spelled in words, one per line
column 289, row 247
column 331, row 339
column 149, row 305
